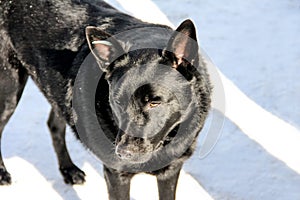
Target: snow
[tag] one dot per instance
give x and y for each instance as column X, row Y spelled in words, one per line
column 255, row 45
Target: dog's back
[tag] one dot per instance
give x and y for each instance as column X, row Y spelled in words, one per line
column 48, row 38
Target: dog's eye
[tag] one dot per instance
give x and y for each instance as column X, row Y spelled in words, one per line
column 154, row 104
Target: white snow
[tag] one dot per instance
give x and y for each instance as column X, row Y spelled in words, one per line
column 256, row 46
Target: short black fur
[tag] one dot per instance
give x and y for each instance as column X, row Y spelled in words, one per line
column 49, row 40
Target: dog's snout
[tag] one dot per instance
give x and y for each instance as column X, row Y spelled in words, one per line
column 133, row 149
column 123, row 152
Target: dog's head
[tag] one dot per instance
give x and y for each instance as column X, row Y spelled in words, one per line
column 149, row 89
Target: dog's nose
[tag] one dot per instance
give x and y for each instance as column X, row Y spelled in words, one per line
column 123, row 152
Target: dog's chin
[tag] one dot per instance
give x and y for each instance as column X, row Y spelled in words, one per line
column 138, row 158
column 141, row 159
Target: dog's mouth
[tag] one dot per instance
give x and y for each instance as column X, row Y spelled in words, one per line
column 134, row 149
column 139, row 150
column 132, row 157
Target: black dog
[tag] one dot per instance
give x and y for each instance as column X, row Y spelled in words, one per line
column 151, row 102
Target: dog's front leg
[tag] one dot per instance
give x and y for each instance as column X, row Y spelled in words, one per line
column 167, row 183
column 118, row 184
column 71, row 173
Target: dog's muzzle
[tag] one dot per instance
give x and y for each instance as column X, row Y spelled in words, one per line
column 133, row 149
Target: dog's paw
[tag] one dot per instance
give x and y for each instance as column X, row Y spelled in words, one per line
column 5, row 178
column 73, row 175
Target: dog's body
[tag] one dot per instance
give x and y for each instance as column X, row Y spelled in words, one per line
column 46, row 41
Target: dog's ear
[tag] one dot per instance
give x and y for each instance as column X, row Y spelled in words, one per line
column 104, row 47
column 183, row 47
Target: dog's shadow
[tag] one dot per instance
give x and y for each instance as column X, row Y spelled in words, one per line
column 26, row 136
column 40, row 154
column 237, row 165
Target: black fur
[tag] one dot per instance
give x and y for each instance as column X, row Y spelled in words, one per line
column 46, row 40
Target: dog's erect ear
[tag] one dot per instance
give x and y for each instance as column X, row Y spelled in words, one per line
column 104, row 47
column 183, row 45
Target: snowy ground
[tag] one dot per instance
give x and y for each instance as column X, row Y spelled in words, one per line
column 256, row 45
